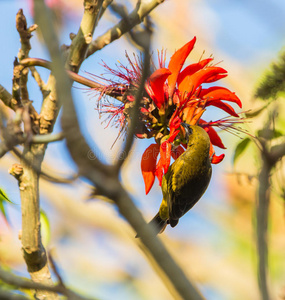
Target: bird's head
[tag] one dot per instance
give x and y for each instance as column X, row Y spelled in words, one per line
column 193, row 133
column 186, row 131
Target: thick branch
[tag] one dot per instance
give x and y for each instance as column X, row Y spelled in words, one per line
column 6, row 295
column 82, row 40
column 6, row 97
column 262, row 224
column 107, row 181
column 33, row 250
column 143, row 9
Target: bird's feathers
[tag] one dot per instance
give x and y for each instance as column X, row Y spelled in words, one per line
column 186, row 180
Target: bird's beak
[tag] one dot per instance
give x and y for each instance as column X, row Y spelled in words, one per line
column 185, row 130
column 182, row 130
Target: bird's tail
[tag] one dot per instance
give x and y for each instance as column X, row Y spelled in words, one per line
column 158, row 224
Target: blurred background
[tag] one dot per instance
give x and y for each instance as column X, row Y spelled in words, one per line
column 92, row 245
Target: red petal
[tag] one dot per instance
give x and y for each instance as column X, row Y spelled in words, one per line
column 214, row 137
column 173, row 135
column 159, row 171
column 215, row 78
column 217, row 159
column 224, row 106
column 165, row 155
column 144, row 110
column 131, row 98
column 184, row 77
column 177, row 152
column 201, row 76
column 220, row 93
column 176, row 63
column 214, row 158
column 175, row 123
column 148, row 165
column 156, row 83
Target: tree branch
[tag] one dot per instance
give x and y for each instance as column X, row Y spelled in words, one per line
column 24, row 283
column 6, row 97
column 277, row 152
column 25, row 35
column 144, row 42
column 116, row 93
column 262, row 207
column 105, row 180
column 105, row 5
column 143, row 8
column 81, row 42
column 47, row 138
column 7, row 295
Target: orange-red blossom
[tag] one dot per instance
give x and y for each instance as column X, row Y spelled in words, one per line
column 179, row 97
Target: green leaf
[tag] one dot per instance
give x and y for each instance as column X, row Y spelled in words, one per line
column 273, row 81
column 45, row 228
column 4, row 198
column 278, row 133
column 269, row 134
column 254, row 113
column 240, row 148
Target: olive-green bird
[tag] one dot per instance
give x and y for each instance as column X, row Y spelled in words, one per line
column 186, row 180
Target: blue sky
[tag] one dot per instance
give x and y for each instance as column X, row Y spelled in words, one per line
column 248, row 32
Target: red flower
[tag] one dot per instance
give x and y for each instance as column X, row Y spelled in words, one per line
column 171, row 87
column 172, row 95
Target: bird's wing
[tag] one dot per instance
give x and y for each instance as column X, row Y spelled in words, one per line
column 185, row 188
column 177, row 199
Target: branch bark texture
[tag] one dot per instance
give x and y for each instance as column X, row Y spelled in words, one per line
column 262, row 211
column 143, row 9
column 104, row 177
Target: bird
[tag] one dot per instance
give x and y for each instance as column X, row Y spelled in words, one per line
column 186, row 179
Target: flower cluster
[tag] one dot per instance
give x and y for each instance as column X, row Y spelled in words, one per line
column 172, row 96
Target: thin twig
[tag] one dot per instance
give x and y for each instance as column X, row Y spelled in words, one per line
column 25, row 35
column 29, row 62
column 55, row 269
column 47, row 138
column 134, row 115
column 105, row 5
column 41, row 171
column 13, row 140
column 24, row 283
column 38, row 79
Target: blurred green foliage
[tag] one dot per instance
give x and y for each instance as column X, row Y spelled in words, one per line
column 274, row 81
